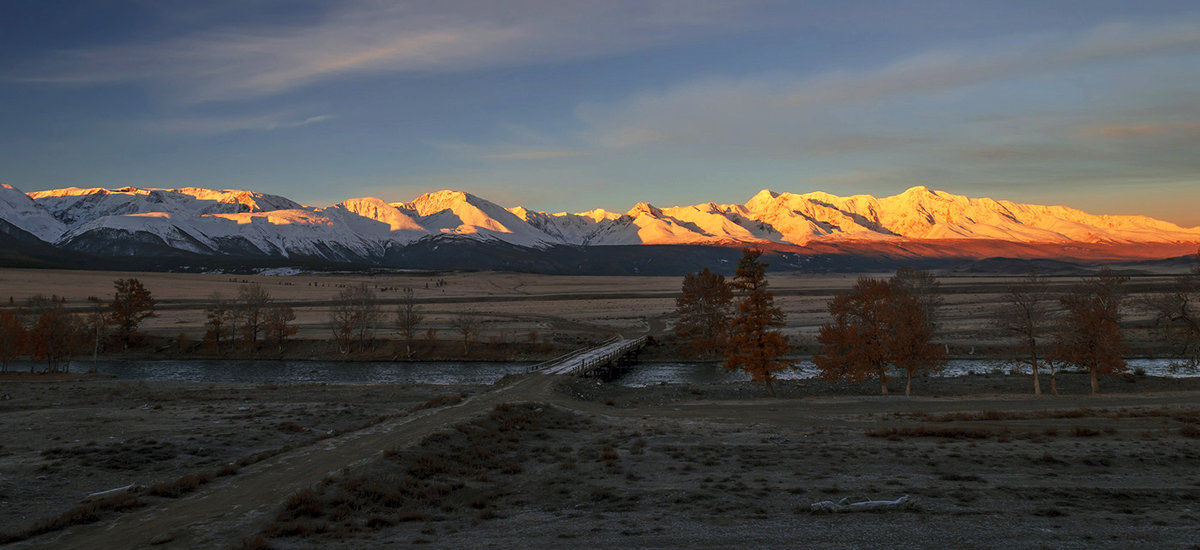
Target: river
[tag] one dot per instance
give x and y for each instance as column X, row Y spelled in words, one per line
column 449, row 372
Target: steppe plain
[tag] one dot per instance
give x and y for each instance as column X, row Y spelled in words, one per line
column 547, row 462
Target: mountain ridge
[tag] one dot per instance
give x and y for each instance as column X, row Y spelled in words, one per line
column 235, row 223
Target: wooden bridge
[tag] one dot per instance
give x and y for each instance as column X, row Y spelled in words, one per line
column 595, row 361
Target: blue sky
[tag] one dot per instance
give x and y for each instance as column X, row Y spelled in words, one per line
column 559, row 105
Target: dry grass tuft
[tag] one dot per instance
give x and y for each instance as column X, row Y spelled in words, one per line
column 179, row 487
column 89, row 512
column 440, row 401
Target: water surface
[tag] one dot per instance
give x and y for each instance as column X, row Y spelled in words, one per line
column 454, row 373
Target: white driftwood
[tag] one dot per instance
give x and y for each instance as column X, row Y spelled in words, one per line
column 110, row 491
column 829, row 506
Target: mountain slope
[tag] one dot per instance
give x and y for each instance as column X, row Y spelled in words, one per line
column 22, row 212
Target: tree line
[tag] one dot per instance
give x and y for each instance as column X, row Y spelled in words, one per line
column 44, row 330
column 251, row 321
column 881, row 326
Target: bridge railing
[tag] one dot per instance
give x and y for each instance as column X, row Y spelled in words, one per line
column 589, row 365
column 570, row 355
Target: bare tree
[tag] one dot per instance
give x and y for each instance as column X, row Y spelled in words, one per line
column 97, row 317
column 408, row 318
column 12, row 339
column 277, row 325
column 925, row 287
column 1177, row 315
column 251, row 308
column 1026, row 315
column 354, row 317
column 219, row 322
column 467, row 324
column 38, row 304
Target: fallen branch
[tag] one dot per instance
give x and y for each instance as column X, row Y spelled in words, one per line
column 831, row 507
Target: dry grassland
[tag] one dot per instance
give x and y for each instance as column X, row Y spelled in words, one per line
column 559, row 310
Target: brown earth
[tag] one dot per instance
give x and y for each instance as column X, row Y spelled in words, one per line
column 588, row 464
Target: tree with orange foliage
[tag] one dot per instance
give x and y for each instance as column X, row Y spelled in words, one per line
column 755, row 344
column 57, row 337
column 1090, row 336
column 854, row 343
column 12, row 339
column 910, row 346
column 876, row 325
column 703, row 312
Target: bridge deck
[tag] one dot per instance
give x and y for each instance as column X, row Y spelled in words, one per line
column 585, row 360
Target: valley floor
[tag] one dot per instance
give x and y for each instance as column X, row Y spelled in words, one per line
column 546, row 462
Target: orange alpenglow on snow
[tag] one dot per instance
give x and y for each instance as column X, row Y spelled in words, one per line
column 919, row 222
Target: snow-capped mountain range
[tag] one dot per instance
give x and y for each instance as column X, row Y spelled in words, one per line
column 134, row 221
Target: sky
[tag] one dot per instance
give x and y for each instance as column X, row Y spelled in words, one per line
column 568, row 106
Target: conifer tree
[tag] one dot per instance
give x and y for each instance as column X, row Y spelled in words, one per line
column 755, row 343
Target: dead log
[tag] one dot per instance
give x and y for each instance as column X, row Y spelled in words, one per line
column 110, row 491
column 843, row 505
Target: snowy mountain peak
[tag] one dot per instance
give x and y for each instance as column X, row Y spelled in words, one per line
column 437, row 201
column 596, row 215
column 380, row 211
column 764, row 196
column 919, row 190
column 644, row 208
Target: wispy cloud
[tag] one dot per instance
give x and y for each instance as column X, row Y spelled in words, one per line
column 538, row 155
column 371, row 37
column 777, row 110
column 517, row 143
column 1139, row 130
column 210, row 125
